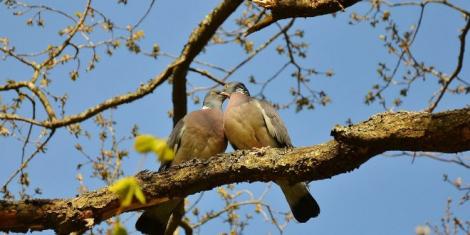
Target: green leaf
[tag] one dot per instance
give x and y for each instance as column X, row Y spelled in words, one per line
column 119, row 229
column 149, row 143
column 139, row 195
column 144, row 143
column 127, row 188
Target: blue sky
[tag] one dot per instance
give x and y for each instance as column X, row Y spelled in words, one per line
column 384, row 196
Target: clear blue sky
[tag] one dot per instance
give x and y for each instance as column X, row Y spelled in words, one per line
column 384, row 196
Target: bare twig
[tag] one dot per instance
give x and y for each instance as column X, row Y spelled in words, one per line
column 147, row 12
column 39, row 149
column 10, row 52
column 259, row 49
column 66, row 42
column 457, row 69
column 206, row 74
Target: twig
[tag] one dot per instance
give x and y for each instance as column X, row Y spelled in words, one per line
column 30, row 129
column 205, row 73
column 457, row 70
column 258, row 50
column 152, row 2
column 72, row 33
column 10, row 52
column 40, row 148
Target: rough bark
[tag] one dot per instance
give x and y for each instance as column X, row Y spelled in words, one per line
column 197, row 41
column 447, row 132
column 282, row 9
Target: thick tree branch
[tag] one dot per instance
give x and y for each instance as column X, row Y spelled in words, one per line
column 282, row 9
column 197, row 41
column 447, row 132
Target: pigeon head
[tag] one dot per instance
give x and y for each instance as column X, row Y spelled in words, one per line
column 214, row 99
column 235, row 87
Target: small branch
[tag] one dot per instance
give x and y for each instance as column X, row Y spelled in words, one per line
column 226, row 209
column 147, row 12
column 37, row 92
column 43, row 99
column 72, row 33
column 46, row 8
column 425, row 2
column 352, row 146
column 259, row 49
column 16, row 117
column 28, row 135
column 13, row 85
column 25, row 163
column 11, row 53
column 206, row 74
column 458, row 68
column 456, row 159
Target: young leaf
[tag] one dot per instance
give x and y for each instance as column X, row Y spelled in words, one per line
column 119, row 229
column 127, row 188
column 163, row 151
column 147, row 143
column 144, row 143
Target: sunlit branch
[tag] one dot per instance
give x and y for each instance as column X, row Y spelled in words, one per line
column 447, row 132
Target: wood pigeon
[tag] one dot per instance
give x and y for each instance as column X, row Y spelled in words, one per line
column 199, row 134
column 252, row 123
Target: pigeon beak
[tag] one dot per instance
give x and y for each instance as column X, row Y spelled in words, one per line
column 225, row 94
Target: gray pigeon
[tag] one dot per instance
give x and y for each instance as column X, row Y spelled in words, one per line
column 198, row 135
column 252, row 123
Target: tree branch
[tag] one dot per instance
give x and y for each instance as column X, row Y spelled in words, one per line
column 458, row 68
column 282, row 9
column 197, row 41
column 447, row 132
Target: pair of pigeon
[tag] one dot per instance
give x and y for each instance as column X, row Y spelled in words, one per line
column 247, row 123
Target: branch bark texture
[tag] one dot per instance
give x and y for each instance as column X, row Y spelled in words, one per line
column 353, row 145
column 197, row 41
column 283, row 9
